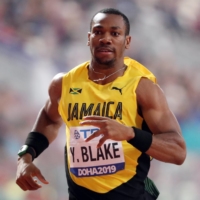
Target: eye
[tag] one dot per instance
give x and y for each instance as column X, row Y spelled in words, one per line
column 115, row 34
column 97, row 32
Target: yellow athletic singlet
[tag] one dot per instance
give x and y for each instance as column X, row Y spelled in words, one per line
column 115, row 163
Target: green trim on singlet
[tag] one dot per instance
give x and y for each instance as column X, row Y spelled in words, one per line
column 150, row 187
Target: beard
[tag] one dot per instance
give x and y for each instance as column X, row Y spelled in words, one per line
column 105, row 61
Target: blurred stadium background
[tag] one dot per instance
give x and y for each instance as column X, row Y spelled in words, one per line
column 39, row 38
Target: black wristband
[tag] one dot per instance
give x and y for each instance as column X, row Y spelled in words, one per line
column 37, row 141
column 142, row 140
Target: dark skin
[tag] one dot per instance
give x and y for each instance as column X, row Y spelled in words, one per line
column 107, row 41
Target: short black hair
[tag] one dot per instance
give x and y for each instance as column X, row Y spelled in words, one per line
column 115, row 12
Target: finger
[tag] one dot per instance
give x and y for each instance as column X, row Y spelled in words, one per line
column 94, row 117
column 32, row 184
column 41, row 178
column 27, row 185
column 22, row 185
column 101, row 141
column 96, row 123
column 95, row 134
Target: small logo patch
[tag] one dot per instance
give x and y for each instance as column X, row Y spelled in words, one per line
column 116, row 88
column 76, row 134
column 75, row 90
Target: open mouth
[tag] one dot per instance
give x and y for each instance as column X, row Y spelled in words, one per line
column 104, row 50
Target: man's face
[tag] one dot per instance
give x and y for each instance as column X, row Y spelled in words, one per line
column 107, row 39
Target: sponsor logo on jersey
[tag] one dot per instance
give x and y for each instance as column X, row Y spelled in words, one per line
column 116, row 88
column 76, row 134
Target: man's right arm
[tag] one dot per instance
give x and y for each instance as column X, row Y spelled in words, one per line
column 47, row 124
column 49, row 121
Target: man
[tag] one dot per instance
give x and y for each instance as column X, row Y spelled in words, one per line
column 117, row 119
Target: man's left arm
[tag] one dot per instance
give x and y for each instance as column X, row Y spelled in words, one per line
column 167, row 144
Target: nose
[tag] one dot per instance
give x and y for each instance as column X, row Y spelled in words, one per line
column 106, row 39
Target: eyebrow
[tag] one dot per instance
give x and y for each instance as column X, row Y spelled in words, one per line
column 112, row 27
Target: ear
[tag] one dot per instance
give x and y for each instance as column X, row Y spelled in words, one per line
column 88, row 42
column 127, row 42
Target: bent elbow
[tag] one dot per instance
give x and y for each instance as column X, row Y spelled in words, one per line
column 181, row 156
column 180, row 152
column 180, row 160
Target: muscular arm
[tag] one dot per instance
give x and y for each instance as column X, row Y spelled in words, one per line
column 168, row 144
column 49, row 121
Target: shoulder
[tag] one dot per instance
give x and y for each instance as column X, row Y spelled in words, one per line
column 139, row 70
column 149, row 93
column 57, row 80
column 55, row 87
column 78, row 69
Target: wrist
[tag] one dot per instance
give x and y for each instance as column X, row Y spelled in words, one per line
column 26, row 149
column 130, row 133
column 142, row 140
column 38, row 142
column 26, row 158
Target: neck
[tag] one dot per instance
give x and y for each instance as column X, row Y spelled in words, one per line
column 106, row 68
column 103, row 74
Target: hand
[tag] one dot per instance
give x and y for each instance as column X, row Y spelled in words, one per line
column 109, row 128
column 26, row 171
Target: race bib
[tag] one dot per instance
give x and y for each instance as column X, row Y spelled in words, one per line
column 88, row 160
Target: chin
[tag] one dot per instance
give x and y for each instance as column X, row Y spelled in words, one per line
column 105, row 61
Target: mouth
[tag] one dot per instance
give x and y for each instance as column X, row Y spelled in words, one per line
column 104, row 50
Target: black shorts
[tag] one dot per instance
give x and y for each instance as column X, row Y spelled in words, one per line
column 147, row 196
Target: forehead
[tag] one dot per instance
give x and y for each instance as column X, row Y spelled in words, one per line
column 108, row 21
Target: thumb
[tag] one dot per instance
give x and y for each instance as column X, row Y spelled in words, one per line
column 41, row 178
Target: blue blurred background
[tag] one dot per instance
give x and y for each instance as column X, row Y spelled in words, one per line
column 39, row 38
